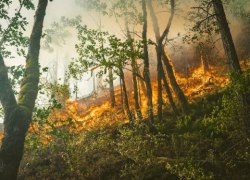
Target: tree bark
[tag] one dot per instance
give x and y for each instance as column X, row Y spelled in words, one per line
column 226, row 36
column 170, row 96
column 146, row 72
column 158, row 49
column 179, row 93
column 134, row 71
column 125, row 98
column 141, row 83
column 136, row 92
column 121, row 92
column 233, row 61
column 111, row 88
column 18, row 115
column 159, row 83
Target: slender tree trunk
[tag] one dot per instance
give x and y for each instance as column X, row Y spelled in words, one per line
column 146, row 71
column 141, row 83
column 179, row 93
column 139, row 92
column 18, row 115
column 121, row 91
column 169, row 93
column 233, row 61
column 134, row 71
column 159, row 39
column 159, row 83
column 226, row 36
column 111, row 88
column 158, row 49
column 136, row 92
column 125, row 98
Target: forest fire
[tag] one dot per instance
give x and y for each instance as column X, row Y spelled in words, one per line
column 78, row 117
column 200, row 82
column 124, row 89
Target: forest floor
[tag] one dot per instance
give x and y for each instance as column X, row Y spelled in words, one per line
column 211, row 141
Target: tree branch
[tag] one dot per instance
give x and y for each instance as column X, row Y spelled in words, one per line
column 7, row 97
column 138, row 75
column 166, row 31
column 198, row 24
column 29, row 84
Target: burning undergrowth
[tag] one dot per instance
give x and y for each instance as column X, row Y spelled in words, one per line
column 96, row 112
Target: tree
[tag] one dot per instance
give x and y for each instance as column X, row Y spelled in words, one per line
column 18, row 113
column 210, row 19
column 146, row 72
column 226, row 36
column 105, row 51
column 125, row 10
column 161, row 55
column 233, row 60
column 111, row 88
column 134, row 66
column 240, row 8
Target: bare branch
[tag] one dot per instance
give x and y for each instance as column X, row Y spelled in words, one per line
column 198, row 24
column 138, row 75
column 166, row 31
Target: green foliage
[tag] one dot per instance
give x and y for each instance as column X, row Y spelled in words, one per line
column 202, row 26
column 59, row 92
column 43, row 128
column 206, row 144
column 58, row 32
column 15, row 75
column 97, row 49
column 240, row 8
column 13, row 33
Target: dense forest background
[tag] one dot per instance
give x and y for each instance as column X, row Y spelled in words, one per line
column 137, row 89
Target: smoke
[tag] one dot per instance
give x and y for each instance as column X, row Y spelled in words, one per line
column 182, row 55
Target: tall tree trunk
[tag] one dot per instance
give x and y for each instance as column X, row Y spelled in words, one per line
column 111, row 88
column 141, row 83
column 169, row 93
column 121, row 91
column 146, row 72
column 159, row 39
column 226, row 36
column 18, row 115
column 134, row 71
column 158, row 49
column 159, row 83
column 136, row 92
column 179, row 93
column 125, row 98
column 233, row 61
